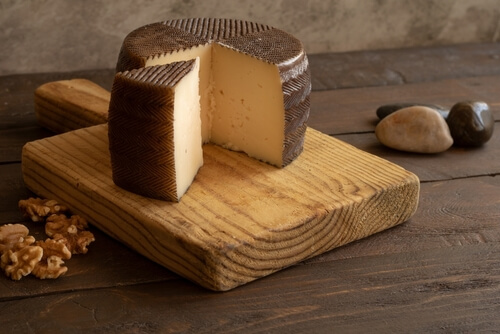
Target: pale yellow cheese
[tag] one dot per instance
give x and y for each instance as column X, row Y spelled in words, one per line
column 241, row 100
column 187, row 130
column 249, row 113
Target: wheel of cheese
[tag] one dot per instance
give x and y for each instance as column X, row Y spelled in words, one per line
column 253, row 95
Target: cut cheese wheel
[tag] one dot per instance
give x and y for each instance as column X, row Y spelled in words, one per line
column 254, row 86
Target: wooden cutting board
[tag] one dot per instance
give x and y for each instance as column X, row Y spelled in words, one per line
column 241, row 219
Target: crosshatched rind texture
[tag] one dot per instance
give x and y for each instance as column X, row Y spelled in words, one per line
column 261, row 41
column 166, row 37
column 141, row 129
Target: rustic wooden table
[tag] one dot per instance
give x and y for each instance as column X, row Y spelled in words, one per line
column 438, row 272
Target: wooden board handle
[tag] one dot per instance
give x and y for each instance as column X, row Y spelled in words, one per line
column 66, row 105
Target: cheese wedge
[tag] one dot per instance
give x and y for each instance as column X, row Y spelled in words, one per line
column 155, row 125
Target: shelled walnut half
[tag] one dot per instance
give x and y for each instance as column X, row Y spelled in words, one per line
column 37, row 209
column 72, row 231
column 19, row 255
column 51, row 264
column 13, row 235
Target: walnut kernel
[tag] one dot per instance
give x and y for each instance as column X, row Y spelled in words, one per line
column 51, row 264
column 53, row 247
column 17, row 264
column 60, row 224
column 52, row 267
column 71, row 231
column 76, row 242
column 12, row 234
column 37, row 209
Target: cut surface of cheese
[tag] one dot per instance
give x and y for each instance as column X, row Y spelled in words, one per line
column 254, row 82
column 155, row 129
column 249, row 114
column 187, row 130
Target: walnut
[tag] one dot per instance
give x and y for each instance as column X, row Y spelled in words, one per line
column 53, row 247
column 37, row 209
column 17, row 264
column 52, row 267
column 13, row 234
column 71, row 231
column 51, row 264
column 20, row 255
column 60, row 224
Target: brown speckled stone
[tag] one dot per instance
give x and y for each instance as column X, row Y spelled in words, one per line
column 415, row 129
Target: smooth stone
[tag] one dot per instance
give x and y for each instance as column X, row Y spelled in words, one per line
column 415, row 129
column 387, row 109
column 471, row 123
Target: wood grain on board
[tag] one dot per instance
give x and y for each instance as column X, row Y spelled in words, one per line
column 66, row 105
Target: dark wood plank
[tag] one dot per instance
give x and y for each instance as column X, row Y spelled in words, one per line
column 355, row 108
column 12, row 141
column 453, row 289
column 456, row 162
column 12, row 190
column 403, row 66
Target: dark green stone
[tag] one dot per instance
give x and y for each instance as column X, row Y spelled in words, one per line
column 471, row 123
column 388, row 109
